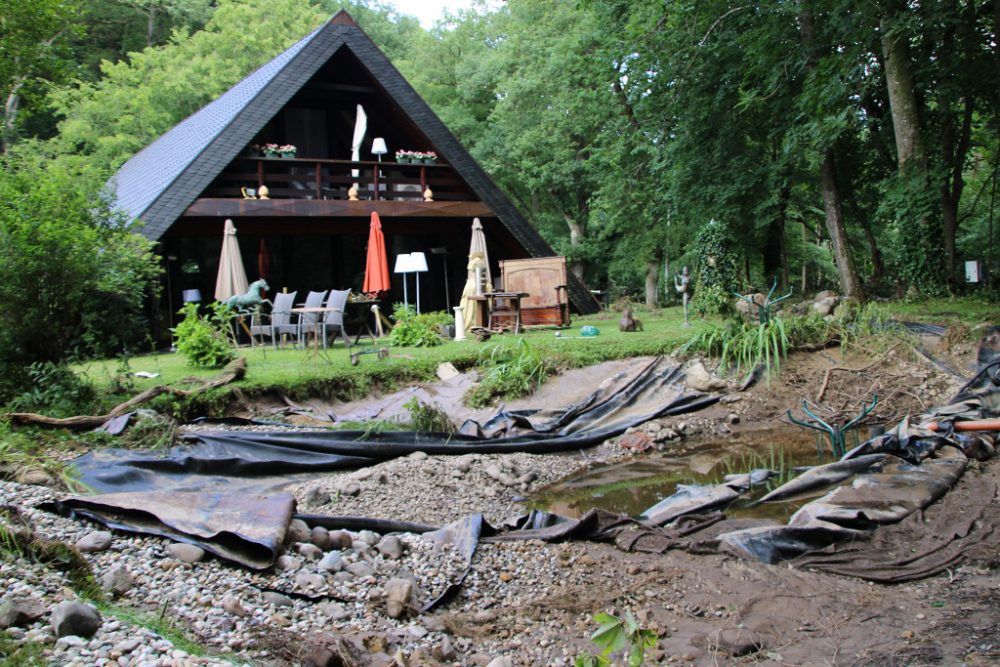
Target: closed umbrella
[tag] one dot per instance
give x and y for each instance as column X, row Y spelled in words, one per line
column 360, row 127
column 479, row 278
column 376, row 266
column 232, row 277
column 478, row 246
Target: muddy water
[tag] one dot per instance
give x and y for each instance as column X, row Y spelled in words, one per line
column 635, row 485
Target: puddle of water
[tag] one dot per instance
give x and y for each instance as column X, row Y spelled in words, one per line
column 632, row 486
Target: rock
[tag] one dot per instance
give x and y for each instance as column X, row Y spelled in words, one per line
column 825, row 302
column 447, row 371
column 636, row 440
column 390, row 547
column 279, row 620
column 463, row 464
column 316, row 496
column 733, row 418
column 232, row 605
column 332, row 562
column 418, row 456
column 369, row 537
column 310, row 580
column 298, row 531
column 443, row 650
column 99, row 540
column 334, row 610
column 399, row 594
column 20, row 613
column 739, row 641
column 320, row 536
column 348, row 489
column 749, row 311
column 310, row 551
column 276, row 599
column 35, row 476
column 117, row 581
column 75, row 618
column 340, row 539
column 286, row 562
column 186, row 553
column 494, row 472
column 360, row 569
column 698, row 378
column 502, row 661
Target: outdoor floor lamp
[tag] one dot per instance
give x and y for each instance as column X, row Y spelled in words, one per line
column 414, row 262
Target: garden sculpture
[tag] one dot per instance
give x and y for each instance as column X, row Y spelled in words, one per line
column 252, row 299
column 682, row 282
column 628, row 322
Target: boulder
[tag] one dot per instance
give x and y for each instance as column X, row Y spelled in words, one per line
column 298, row 531
column 697, row 377
column 117, row 581
column 75, row 618
column 186, row 553
column 400, row 595
column 390, row 547
column 20, row 613
column 98, row 540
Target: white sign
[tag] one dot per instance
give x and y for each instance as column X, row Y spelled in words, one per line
column 972, row 272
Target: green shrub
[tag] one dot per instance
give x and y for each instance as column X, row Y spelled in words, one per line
column 412, row 330
column 74, row 279
column 742, row 347
column 205, row 342
column 427, row 418
column 55, row 391
column 509, row 371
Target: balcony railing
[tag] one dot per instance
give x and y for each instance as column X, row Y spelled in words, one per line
column 307, row 178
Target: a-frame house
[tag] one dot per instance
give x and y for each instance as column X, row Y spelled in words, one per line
column 186, row 183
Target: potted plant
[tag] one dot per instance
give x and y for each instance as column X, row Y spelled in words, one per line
column 405, row 156
column 253, row 150
column 271, row 150
column 288, row 150
column 430, row 157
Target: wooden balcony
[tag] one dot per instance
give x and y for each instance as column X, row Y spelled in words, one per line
column 314, row 179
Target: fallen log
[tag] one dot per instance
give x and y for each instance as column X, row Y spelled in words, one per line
column 233, row 371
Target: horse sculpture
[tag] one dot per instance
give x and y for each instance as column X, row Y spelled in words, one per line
column 254, row 297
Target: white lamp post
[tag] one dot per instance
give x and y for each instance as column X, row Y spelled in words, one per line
column 378, row 148
column 403, row 265
column 418, row 264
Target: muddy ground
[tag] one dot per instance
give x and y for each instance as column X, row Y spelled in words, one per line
column 716, row 610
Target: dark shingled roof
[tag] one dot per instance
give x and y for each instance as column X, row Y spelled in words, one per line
column 163, row 179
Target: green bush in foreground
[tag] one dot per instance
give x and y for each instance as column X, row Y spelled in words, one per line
column 204, row 341
column 509, row 371
column 412, row 330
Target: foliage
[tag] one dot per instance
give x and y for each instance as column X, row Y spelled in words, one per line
column 412, row 330
column 618, row 634
column 55, row 391
column 716, row 270
column 205, row 341
column 427, row 418
column 73, row 277
column 14, row 654
column 509, row 371
column 744, row 346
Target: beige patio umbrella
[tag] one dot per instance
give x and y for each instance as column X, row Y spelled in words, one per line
column 478, row 279
column 232, row 278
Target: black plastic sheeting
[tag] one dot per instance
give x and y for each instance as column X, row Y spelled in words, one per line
column 195, row 492
column 222, row 458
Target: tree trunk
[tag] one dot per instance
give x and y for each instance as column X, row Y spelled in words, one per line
column 805, row 262
column 850, row 285
column 910, row 151
column 951, row 190
column 775, row 255
column 10, row 109
column 878, row 266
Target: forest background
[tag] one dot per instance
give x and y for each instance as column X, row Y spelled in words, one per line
column 834, row 143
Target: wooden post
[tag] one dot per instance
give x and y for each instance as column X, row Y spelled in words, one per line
column 423, row 178
column 376, row 183
column 319, row 185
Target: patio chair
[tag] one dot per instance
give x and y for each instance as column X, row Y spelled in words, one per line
column 307, row 321
column 333, row 319
column 276, row 323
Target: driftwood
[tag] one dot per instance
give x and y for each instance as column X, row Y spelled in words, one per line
column 233, row 371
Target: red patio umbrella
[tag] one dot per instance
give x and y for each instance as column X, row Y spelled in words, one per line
column 376, row 266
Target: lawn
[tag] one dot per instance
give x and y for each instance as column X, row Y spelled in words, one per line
column 298, row 373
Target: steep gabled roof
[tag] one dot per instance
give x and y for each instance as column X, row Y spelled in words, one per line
column 163, row 179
